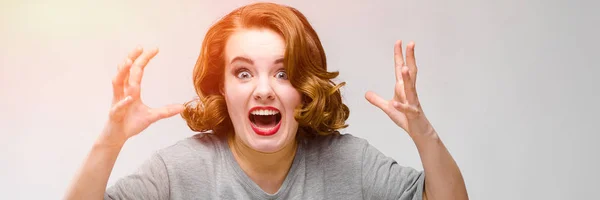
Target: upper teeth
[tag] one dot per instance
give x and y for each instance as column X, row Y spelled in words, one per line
column 264, row 112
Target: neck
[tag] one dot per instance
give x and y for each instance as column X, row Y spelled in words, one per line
column 268, row 170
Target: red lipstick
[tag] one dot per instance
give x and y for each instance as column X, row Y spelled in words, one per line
column 262, row 130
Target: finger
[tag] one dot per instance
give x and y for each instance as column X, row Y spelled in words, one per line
column 139, row 64
column 118, row 80
column 411, row 61
column 377, row 101
column 137, row 70
column 399, row 94
column 165, row 112
column 126, row 81
column 117, row 109
column 133, row 55
column 409, row 87
column 398, row 59
column 405, row 108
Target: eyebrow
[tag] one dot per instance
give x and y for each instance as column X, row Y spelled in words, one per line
column 249, row 61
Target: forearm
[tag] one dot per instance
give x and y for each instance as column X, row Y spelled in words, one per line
column 443, row 179
column 90, row 182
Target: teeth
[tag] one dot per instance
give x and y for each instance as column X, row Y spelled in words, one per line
column 265, row 129
column 265, row 112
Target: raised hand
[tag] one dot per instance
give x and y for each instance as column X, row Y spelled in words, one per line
column 128, row 115
column 404, row 108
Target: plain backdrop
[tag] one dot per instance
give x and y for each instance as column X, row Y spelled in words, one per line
column 510, row 86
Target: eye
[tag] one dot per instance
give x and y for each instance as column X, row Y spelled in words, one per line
column 243, row 74
column 282, row 75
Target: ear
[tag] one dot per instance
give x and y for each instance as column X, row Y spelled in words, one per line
column 222, row 89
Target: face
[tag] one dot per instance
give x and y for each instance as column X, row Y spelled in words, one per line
column 260, row 98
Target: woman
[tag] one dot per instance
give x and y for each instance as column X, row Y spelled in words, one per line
column 272, row 111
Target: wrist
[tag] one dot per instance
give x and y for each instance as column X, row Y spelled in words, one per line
column 111, row 137
column 428, row 136
column 101, row 143
column 109, row 140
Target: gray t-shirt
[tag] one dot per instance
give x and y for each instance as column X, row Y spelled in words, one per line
column 338, row 166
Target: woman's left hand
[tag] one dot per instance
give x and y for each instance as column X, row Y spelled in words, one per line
column 404, row 109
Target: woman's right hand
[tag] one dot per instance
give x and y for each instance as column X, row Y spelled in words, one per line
column 128, row 115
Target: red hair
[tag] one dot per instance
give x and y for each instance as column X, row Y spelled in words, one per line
column 322, row 110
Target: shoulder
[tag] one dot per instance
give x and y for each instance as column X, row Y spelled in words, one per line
column 173, row 170
column 337, row 147
column 199, row 149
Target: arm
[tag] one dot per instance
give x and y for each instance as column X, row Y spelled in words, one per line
column 442, row 176
column 90, row 182
column 443, row 179
column 128, row 116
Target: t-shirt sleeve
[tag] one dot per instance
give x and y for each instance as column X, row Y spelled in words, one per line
column 150, row 182
column 384, row 178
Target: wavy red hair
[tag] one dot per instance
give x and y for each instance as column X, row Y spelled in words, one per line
column 322, row 111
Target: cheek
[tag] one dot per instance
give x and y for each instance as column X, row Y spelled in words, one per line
column 291, row 98
column 233, row 90
column 235, row 95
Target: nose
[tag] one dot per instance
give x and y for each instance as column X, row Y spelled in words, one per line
column 264, row 91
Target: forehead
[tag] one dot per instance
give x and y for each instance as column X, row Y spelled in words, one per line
column 256, row 44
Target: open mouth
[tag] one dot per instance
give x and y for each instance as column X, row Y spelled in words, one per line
column 265, row 120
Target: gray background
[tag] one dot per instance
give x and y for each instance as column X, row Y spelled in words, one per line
column 509, row 85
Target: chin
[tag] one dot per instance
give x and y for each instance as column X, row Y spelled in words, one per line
column 268, row 144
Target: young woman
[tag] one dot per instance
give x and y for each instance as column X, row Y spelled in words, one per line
column 272, row 113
